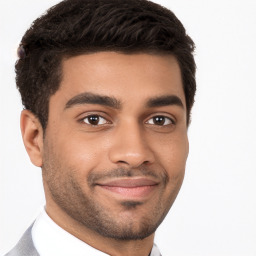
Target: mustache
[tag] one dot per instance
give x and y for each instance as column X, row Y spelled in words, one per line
column 95, row 177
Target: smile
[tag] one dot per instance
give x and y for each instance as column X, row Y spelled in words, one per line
column 138, row 188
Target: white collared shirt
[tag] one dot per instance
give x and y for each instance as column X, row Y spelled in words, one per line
column 52, row 240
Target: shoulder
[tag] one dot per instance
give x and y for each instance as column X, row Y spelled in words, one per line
column 25, row 246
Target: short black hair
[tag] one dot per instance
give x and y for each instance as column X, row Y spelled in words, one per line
column 75, row 27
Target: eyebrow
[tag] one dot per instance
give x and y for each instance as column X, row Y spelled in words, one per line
column 91, row 98
column 165, row 100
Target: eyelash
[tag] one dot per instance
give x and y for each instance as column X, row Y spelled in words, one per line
column 94, row 115
column 100, row 118
column 168, row 119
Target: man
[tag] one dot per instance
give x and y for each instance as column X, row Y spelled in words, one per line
column 107, row 86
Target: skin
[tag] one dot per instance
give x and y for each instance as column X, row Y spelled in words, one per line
column 112, row 168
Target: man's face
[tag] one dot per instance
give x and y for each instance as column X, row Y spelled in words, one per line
column 116, row 145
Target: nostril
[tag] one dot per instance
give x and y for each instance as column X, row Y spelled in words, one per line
column 122, row 162
column 132, row 163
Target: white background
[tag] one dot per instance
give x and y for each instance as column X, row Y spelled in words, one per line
column 215, row 212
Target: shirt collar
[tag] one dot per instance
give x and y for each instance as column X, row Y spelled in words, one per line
column 48, row 239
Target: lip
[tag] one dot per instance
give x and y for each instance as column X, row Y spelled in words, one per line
column 130, row 188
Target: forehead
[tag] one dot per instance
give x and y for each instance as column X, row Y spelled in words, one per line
column 133, row 77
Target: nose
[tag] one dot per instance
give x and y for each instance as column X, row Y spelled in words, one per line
column 130, row 147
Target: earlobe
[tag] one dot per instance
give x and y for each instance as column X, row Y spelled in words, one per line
column 32, row 134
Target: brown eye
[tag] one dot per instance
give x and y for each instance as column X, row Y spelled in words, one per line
column 95, row 120
column 160, row 120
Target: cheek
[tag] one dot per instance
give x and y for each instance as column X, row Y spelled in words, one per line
column 80, row 152
column 172, row 155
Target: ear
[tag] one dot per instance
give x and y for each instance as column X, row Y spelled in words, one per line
column 32, row 134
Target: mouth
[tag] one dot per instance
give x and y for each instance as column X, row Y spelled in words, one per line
column 130, row 188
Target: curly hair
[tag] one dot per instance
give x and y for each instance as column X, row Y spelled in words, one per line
column 75, row 27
